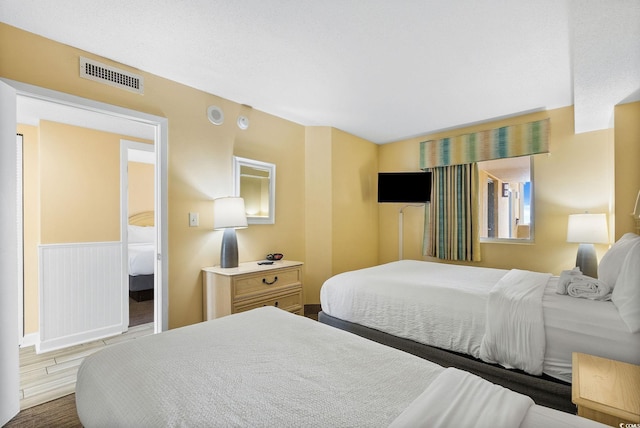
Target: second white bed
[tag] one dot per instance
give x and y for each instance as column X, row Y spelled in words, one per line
column 398, row 298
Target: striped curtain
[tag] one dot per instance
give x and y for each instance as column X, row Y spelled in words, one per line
column 506, row 142
column 452, row 225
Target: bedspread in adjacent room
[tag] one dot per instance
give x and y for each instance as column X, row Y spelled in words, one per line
column 270, row 368
column 141, row 259
column 445, row 306
column 141, row 270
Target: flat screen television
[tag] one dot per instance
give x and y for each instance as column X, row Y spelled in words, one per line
column 408, row 187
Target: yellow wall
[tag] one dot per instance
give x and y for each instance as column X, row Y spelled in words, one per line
column 199, row 163
column 341, row 206
column 273, row 140
column 627, row 162
column 31, row 223
column 79, row 184
column 141, row 187
column 577, row 176
column 354, row 183
column 318, row 211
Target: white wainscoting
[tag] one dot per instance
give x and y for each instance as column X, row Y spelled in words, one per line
column 81, row 293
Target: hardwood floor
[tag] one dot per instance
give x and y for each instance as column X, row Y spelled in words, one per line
column 48, row 381
column 52, row 375
column 45, row 377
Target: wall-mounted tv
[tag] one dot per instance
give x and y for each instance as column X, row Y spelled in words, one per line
column 408, row 187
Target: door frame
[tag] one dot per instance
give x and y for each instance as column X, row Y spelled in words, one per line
column 127, row 146
column 9, row 359
column 20, row 229
column 160, row 131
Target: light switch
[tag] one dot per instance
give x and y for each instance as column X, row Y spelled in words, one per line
column 194, row 220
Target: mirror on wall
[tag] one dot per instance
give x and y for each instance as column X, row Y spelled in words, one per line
column 255, row 182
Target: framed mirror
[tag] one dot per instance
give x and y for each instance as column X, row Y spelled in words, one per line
column 255, row 182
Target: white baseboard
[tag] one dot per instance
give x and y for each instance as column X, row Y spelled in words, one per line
column 78, row 338
column 30, row 339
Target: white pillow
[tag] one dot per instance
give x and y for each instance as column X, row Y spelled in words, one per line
column 612, row 261
column 626, row 295
column 141, row 234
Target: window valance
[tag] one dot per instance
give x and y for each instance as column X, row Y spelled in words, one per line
column 506, row 142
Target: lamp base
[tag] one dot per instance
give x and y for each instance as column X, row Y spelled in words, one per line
column 229, row 250
column 587, row 260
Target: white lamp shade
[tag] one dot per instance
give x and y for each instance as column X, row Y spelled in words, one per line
column 229, row 212
column 588, row 229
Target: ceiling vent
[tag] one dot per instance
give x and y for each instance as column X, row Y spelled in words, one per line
column 98, row 72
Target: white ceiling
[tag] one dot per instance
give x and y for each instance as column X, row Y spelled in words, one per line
column 382, row 70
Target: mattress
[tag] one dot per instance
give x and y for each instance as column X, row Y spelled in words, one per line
column 141, row 259
column 263, row 368
column 582, row 325
column 444, row 305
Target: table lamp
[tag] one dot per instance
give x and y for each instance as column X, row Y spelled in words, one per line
column 229, row 214
column 587, row 229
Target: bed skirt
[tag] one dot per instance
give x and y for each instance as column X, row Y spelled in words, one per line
column 141, row 287
column 544, row 390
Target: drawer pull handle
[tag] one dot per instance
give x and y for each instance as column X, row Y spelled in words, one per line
column 275, row 279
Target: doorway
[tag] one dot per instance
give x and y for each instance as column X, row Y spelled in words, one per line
column 137, row 204
column 124, row 122
column 10, row 258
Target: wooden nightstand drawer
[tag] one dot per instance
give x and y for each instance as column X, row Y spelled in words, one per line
column 288, row 302
column 249, row 286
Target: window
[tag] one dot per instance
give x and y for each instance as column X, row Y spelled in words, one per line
column 506, row 199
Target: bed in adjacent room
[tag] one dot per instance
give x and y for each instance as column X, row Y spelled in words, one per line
column 267, row 367
column 141, row 250
column 476, row 318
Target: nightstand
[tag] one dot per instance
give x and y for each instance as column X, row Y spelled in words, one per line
column 250, row 285
column 606, row 391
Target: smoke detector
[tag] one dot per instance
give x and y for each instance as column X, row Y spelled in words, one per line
column 215, row 115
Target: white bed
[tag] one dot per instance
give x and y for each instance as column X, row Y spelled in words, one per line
column 141, row 259
column 141, row 235
column 445, row 306
column 267, row 367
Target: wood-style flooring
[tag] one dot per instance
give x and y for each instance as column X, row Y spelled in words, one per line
column 45, row 377
column 51, row 375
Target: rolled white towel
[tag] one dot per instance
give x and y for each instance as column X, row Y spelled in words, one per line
column 588, row 288
column 565, row 279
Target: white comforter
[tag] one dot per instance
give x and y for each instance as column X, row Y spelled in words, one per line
column 450, row 297
column 443, row 306
column 254, row 369
column 267, row 368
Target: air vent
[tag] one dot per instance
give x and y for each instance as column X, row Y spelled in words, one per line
column 98, row 72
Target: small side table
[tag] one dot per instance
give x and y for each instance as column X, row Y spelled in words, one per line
column 606, row 391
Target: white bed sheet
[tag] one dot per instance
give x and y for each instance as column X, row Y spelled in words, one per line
column 397, row 298
column 262, row 368
column 141, row 259
column 582, row 325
